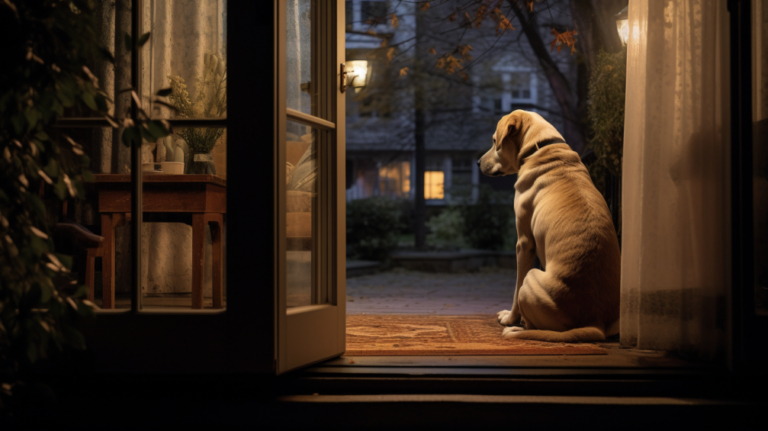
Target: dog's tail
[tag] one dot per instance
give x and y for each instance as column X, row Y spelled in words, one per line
column 589, row 333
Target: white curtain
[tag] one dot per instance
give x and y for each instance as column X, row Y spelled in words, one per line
column 675, row 255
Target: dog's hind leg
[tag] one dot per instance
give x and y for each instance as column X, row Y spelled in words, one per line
column 538, row 309
column 543, row 320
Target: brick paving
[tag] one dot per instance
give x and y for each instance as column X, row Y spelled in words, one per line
column 400, row 291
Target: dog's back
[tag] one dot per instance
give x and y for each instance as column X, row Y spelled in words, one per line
column 574, row 234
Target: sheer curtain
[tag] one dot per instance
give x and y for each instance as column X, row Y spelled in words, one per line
column 675, row 258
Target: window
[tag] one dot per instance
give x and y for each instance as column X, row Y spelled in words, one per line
column 192, row 162
column 395, row 179
column 434, row 184
column 501, row 93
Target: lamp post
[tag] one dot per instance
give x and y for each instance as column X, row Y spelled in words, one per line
column 622, row 25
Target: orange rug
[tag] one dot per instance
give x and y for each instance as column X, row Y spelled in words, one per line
column 430, row 335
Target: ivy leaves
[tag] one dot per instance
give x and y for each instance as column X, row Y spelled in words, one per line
column 43, row 77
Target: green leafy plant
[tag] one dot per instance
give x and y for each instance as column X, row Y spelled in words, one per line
column 373, row 227
column 210, row 102
column 45, row 46
column 447, row 228
column 607, row 89
column 489, row 223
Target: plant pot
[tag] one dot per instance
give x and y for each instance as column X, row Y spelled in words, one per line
column 173, row 168
column 200, row 163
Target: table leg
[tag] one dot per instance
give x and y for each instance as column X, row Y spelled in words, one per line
column 108, row 260
column 198, row 259
column 217, row 224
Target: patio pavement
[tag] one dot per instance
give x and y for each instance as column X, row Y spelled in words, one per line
column 400, row 291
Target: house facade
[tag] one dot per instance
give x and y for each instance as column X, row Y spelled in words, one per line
column 460, row 111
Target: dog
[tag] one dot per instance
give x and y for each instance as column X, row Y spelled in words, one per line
column 564, row 221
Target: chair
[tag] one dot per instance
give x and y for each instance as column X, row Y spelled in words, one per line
column 83, row 237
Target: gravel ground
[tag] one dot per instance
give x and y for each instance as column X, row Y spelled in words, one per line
column 400, row 291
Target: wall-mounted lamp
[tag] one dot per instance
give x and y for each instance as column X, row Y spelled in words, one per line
column 354, row 74
column 622, row 25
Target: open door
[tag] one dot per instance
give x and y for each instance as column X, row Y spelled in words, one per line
column 310, row 156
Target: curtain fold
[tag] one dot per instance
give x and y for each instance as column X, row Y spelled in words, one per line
column 675, row 257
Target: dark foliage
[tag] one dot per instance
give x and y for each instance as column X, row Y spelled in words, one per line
column 373, row 227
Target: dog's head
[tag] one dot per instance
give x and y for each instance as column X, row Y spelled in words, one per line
column 515, row 134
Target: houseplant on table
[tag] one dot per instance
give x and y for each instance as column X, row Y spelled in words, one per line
column 210, row 102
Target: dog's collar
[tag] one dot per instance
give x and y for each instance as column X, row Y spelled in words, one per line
column 539, row 145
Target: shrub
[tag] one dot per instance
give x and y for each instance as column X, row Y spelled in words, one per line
column 373, row 227
column 447, row 228
column 489, row 223
column 607, row 88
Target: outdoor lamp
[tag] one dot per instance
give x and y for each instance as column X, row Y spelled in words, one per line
column 357, row 75
column 622, row 25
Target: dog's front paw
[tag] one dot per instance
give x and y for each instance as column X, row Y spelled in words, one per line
column 508, row 332
column 505, row 317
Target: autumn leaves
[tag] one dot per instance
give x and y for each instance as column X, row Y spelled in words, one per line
column 456, row 60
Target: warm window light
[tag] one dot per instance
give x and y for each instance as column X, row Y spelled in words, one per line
column 395, row 179
column 357, row 74
column 622, row 25
column 433, row 184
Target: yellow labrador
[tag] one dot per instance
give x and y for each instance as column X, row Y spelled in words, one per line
column 562, row 219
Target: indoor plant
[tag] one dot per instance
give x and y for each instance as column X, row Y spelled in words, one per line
column 210, row 102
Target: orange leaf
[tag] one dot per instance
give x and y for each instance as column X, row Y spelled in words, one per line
column 480, row 15
column 383, row 43
column 530, row 5
column 440, row 63
column 452, row 18
column 565, row 38
column 403, row 71
column 424, row 6
column 465, row 49
column 371, row 32
column 390, row 54
column 502, row 23
column 395, row 22
column 432, row 51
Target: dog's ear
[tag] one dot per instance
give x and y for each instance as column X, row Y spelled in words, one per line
column 508, row 129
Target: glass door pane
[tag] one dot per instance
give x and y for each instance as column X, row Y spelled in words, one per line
column 310, row 316
column 306, row 226
column 184, row 191
column 760, row 151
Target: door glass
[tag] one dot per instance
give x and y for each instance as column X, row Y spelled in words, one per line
column 760, row 152
column 303, row 216
column 184, row 197
column 304, row 62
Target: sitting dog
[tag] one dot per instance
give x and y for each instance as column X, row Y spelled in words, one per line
column 564, row 221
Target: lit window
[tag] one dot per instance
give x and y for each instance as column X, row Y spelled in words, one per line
column 395, row 179
column 433, row 184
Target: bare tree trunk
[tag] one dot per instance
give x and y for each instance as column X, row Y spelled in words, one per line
column 420, row 235
column 561, row 88
column 596, row 24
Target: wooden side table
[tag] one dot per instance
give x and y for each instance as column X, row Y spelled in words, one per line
column 204, row 196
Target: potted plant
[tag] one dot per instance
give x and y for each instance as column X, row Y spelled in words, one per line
column 210, row 102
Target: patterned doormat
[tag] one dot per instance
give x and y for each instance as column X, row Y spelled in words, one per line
column 434, row 335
